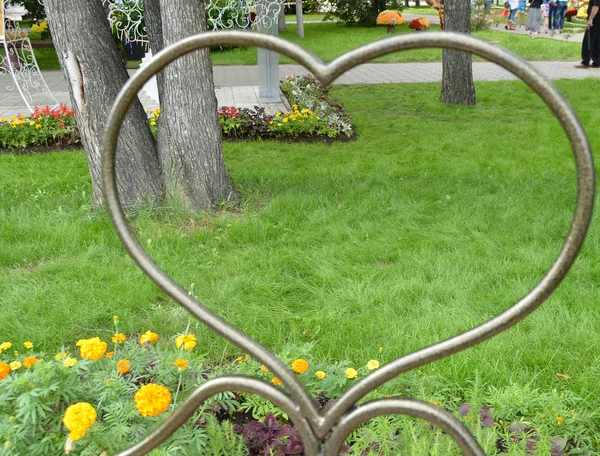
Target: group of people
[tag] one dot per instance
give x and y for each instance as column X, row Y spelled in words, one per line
column 551, row 14
column 548, row 13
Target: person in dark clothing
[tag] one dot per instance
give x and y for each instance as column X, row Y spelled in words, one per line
column 590, row 48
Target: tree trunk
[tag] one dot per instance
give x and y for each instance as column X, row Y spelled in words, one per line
column 299, row 20
column 189, row 134
column 457, row 76
column 281, row 20
column 95, row 73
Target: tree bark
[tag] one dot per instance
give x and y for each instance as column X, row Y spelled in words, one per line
column 189, row 134
column 299, row 20
column 281, row 20
column 457, row 76
column 95, row 74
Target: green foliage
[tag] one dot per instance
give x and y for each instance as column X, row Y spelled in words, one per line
column 360, row 12
column 36, row 10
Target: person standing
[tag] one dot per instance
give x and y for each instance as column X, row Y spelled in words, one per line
column 534, row 20
column 590, row 48
column 514, row 7
column 552, row 4
column 560, row 11
column 545, row 14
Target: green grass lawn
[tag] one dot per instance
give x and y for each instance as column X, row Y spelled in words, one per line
column 330, row 40
column 436, row 219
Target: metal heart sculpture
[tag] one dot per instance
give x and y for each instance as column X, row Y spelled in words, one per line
column 333, row 427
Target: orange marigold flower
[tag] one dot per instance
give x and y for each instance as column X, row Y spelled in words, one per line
column 264, row 368
column 30, row 361
column 148, row 336
column 300, row 366
column 560, row 420
column 123, row 366
column 110, row 354
column 93, row 348
column 181, row 364
column 118, row 338
column 152, row 400
column 187, row 340
column 4, row 370
column 276, row 381
column 78, row 419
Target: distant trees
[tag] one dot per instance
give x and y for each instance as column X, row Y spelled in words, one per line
column 361, row 12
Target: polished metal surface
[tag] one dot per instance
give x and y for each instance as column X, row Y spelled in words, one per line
column 323, row 434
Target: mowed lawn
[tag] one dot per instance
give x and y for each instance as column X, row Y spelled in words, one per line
column 437, row 218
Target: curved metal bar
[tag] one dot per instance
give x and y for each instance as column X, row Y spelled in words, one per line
column 137, row 252
column 400, row 406
column 321, row 425
column 233, row 383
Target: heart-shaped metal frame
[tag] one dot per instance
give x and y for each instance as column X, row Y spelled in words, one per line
column 338, row 422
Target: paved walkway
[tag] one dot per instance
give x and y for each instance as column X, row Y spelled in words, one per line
column 237, row 85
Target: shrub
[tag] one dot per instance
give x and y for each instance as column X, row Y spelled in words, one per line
column 360, row 12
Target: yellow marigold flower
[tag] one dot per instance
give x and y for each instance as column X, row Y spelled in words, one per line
column 239, row 359
column 27, row 345
column 181, row 364
column 187, row 340
column 276, row 381
column 351, row 373
column 15, row 365
column 373, row 364
column 380, row 349
column 560, row 420
column 118, row 338
column 61, row 355
column 32, row 123
column 300, row 366
column 148, row 336
column 116, row 319
column 152, row 400
column 320, row 375
column 5, row 346
column 4, row 370
column 93, row 348
column 437, row 404
column 110, row 354
column 264, row 368
column 78, row 419
column 123, row 366
column 38, row 126
column 30, row 361
column 285, row 120
column 69, row 362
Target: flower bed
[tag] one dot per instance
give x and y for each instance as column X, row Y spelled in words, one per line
column 45, row 127
column 101, row 397
column 314, row 116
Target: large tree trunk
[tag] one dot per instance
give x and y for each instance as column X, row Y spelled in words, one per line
column 457, row 76
column 281, row 20
column 95, row 73
column 299, row 19
column 189, row 134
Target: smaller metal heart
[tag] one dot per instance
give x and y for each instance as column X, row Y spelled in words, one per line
column 338, row 419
